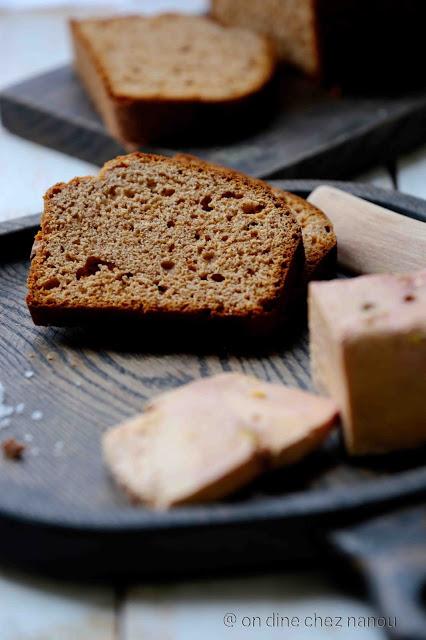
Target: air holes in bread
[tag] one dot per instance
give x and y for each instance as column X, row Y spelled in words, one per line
column 205, row 203
column 92, row 266
column 232, row 194
column 111, row 191
column 167, row 265
column 250, row 207
column 51, row 283
column 218, row 277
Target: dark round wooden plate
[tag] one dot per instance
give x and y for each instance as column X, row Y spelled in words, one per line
column 59, row 509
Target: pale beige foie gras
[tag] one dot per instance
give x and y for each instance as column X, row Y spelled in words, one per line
column 212, row 436
column 368, row 351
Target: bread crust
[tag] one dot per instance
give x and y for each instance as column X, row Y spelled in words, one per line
column 143, row 120
column 260, row 320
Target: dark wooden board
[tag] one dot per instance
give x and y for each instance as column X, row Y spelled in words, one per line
column 59, row 509
column 313, row 134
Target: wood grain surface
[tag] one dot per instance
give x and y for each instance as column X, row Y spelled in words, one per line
column 312, row 134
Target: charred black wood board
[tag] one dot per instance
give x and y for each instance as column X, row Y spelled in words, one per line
column 313, row 133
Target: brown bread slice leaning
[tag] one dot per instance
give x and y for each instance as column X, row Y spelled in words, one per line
column 156, row 237
column 210, row 437
column 169, row 75
column 319, row 238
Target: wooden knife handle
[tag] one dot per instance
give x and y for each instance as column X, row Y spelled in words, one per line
column 371, row 239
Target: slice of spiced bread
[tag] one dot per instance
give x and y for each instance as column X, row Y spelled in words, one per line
column 319, row 238
column 152, row 237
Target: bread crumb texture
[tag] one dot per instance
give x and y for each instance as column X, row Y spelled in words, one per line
column 177, row 57
column 208, row 438
column 156, row 234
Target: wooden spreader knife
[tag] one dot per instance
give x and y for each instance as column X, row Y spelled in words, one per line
column 371, row 239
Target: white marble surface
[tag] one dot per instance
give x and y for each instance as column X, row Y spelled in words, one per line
column 34, row 609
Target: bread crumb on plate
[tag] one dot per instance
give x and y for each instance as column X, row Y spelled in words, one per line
column 12, row 449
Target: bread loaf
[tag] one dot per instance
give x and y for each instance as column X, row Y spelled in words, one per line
column 347, row 42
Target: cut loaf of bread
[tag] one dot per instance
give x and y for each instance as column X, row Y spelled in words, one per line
column 210, row 437
column 170, row 75
column 349, row 42
column 152, row 237
column 290, row 23
column 319, row 238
